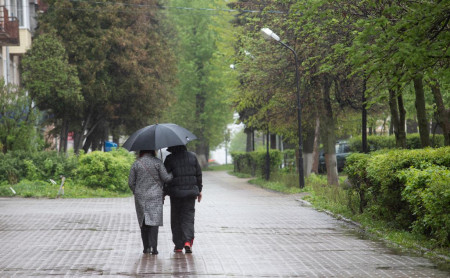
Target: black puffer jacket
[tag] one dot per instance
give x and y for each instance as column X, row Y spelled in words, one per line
column 187, row 174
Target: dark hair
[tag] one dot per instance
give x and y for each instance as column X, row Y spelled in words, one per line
column 142, row 152
column 176, row 149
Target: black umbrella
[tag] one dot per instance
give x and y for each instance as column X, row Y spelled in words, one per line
column 155, row 137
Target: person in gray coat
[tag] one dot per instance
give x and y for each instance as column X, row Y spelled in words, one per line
column 146, row 181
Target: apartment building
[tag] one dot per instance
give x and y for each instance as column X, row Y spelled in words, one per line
column 17, row 25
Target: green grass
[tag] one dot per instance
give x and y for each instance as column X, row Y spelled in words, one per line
column 336, row 200
column 42, row 189
column 223, row 167
column 276, row 186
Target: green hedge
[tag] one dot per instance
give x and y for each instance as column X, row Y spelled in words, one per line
column 43, row 165
column 376, row 142
column 107, row 170
column 428, row 193
column 254, row 163
column 383, row 182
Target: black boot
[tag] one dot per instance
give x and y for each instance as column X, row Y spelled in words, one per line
column 144, row 236
column 153, row 238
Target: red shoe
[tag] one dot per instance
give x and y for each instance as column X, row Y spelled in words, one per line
column 188, row 247
column 178, row 250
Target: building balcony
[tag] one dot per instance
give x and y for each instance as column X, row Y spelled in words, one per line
column 9, row 29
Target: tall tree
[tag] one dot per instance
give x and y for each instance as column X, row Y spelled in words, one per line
column 53, row 83
column 124, row 63
column 202, row 92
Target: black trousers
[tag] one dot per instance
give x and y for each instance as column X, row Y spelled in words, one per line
column 149, row 235
column 182, row 216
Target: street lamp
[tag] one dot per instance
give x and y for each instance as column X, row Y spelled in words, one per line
column 269, row 34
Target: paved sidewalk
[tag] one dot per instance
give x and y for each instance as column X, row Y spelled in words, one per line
column 241, row 231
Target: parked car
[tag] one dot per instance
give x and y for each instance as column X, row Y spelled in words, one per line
column 342, row 151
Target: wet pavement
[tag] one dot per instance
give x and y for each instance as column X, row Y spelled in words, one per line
column 241, row 231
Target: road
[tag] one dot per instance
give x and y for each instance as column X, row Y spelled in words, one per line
column 241, row 231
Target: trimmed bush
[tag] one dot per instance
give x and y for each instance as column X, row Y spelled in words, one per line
column 428, row 193
column 380, row 179
column 43, row 165
column 356, row 165
column 108, row 170
column 377, row 142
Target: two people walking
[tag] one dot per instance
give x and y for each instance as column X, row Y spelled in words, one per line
column 150, row 180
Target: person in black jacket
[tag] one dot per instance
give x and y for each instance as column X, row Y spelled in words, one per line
column 183, row 190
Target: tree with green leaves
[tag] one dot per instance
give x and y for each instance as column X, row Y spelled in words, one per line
column 402, row 43
column 204, row 76
column 124, row 62
column 53, row 83
column 18, row 120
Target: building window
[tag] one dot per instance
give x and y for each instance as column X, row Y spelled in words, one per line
column 20, row 11
column 17, row 10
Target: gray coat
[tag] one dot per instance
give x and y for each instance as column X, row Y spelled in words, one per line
column 146, row 180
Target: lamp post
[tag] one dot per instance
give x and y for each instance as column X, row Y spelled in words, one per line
column 269, row 34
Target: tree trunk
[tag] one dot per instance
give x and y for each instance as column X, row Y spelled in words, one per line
column 402, row 120
column 329, row 137
column 66, row 134
column 395, row 119
column 267, row 162
column 364, row 119
column 315, row 164
column 249, row 134
column 273, row 141
column 82, row 135
column 308, row 147
column 443, row 116
column 424, row 126
column 63, row 136
column 201, row 147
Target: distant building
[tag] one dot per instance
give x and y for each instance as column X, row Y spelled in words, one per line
column 17, row 25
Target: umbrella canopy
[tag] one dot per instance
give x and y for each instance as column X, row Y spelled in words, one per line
column 158, row 136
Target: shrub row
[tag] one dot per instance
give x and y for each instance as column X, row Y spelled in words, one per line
column 43, row 165
column 254, row 163
column 376, row 142
column 107, row 170
column 409, row 188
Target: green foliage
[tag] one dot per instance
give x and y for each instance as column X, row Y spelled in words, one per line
column 107, row 170
column 387, row 189
column 205, row 79
column 289, row 161
column 276, row 185
column 223, row 167
column 36, row 166
column 376, row 142
column 238, row 142
column 254, row 163
column 18, row 120
column 52, row 82
column 428, row 193
column 123, row 58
